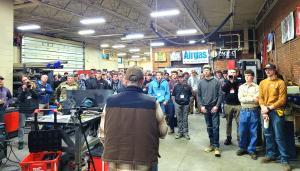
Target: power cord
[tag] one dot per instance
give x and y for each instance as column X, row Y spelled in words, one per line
column 8, row 157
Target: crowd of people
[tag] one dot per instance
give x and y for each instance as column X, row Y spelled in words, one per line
column 225, row 93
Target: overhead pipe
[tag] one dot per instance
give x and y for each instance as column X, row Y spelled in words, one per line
column 238, row 35
column 32, row 3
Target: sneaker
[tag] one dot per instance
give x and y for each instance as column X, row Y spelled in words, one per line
column 241, row 152
column 286, row 167
column 177, row 136
column 227, row 142
column 217, row 152
column 268, row 160
column 253, row 156
column 186, row 136
column 171, row 131
column 209, row 149
column 21, row 146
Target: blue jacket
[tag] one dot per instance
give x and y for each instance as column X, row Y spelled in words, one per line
column 160, row 91
column 44, row 96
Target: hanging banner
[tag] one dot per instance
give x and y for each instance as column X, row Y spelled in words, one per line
column 226, row 54
column 297, row 18
column 175, row 56
column 160, row 56
column 195, row 57
column 287, row 28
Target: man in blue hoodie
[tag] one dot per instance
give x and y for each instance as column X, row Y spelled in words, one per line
column 44, row 91
column 159, row 88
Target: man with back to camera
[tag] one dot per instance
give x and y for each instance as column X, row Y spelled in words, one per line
column 209, row 98
column 249, row 116
column 272, row 98
column 5, row 98
column 44, row 91
column 232, row 104
column 131, row 125
column 181, row 95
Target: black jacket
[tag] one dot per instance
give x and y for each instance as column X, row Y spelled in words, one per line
column 182, row 93
column 91, row 83
column 102, row 84
column 27, row 100
column 231, row 92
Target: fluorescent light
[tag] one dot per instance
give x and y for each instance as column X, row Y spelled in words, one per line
column 134, row 36
column 29, row 27
column 104, row 45
column 135, row 56
column 188, row 31
column 92, row 21
column 157, row 44
column 192, row 42
column 134, row 50
column 165, row 13
column 118, row 46
column 85, row 32
column 121, row 54
column 147, row 53
column 203, row 41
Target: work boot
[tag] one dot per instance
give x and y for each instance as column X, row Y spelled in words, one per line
column 177, row 136
column 21, row 146
column 253, row 156
column 228, row 141
column 217, row 152
column 268, row 160
column 241, row 152
column 209, row 149
column 286, row 167
column 171, row 131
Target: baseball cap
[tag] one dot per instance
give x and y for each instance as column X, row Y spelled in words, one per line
column 207, row 67
column 1, row 78
column 270, row 66
column 134, row 74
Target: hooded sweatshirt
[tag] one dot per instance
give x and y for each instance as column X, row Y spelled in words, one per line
column 159, row 90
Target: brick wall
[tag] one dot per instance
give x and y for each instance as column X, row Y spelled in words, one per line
column 285, row 56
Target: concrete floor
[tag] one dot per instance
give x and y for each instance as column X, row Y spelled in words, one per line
column 188, row 155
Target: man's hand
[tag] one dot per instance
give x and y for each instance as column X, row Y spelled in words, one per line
column 214, row 109
column 165, row 103
column 1, row 101
column 264, row 110
column 203, row 110
column 24, row 86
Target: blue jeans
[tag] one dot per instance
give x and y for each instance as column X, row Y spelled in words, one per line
column 274, row 136
column 213, row 123
column 249, row 119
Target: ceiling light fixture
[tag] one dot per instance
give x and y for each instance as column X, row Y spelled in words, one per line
column 89, row 21
column 165, row 13
column 192, row 42
column 203, row 41
column 118, row 46
column 134, row 36
column 104, row 45
column 85, row 32
column 135, row 56
column 155, row 44
column 134, row 50
column 187, row 31
column 29, row 27
column 121, row 54
column 147, row 53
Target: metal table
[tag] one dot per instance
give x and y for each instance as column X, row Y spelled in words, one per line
column 75, row 147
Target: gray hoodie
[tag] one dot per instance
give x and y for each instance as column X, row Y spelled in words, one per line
column 209, row 92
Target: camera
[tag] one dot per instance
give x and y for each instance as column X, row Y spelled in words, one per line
column 230, row 76
column 29, row 84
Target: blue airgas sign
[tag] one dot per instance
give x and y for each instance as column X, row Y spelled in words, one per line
column 195, row 57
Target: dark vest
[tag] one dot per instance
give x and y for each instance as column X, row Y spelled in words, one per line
column 131, row 128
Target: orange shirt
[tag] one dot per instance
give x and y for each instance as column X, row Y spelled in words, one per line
column 272, row 93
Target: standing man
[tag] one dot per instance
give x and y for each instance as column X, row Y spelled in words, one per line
column 116, row 83
column 181, row 95
column 209, row 98
column 193, row 82
column 5, row 98
column 232, row 104
column 147, row 82
column 126, row 148
column 272, row 98
column 44, row 91
column 28, row 102
column 170, row 106
column 249, row 116
column 91, row 82
column 61, row 90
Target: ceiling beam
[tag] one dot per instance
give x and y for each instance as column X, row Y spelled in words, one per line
column 195, row 15
column 232, row 10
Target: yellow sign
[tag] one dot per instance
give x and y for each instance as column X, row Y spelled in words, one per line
column 160, row 56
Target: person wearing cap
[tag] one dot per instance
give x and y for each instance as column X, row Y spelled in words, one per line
column 181, row 95
column 5, row 98
column 131, row 125
column 159, row 88
column 209, row 98
column 61, row 90
column 193, row 81
column 272, row 98
column 232, row 104
column 249, row 116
